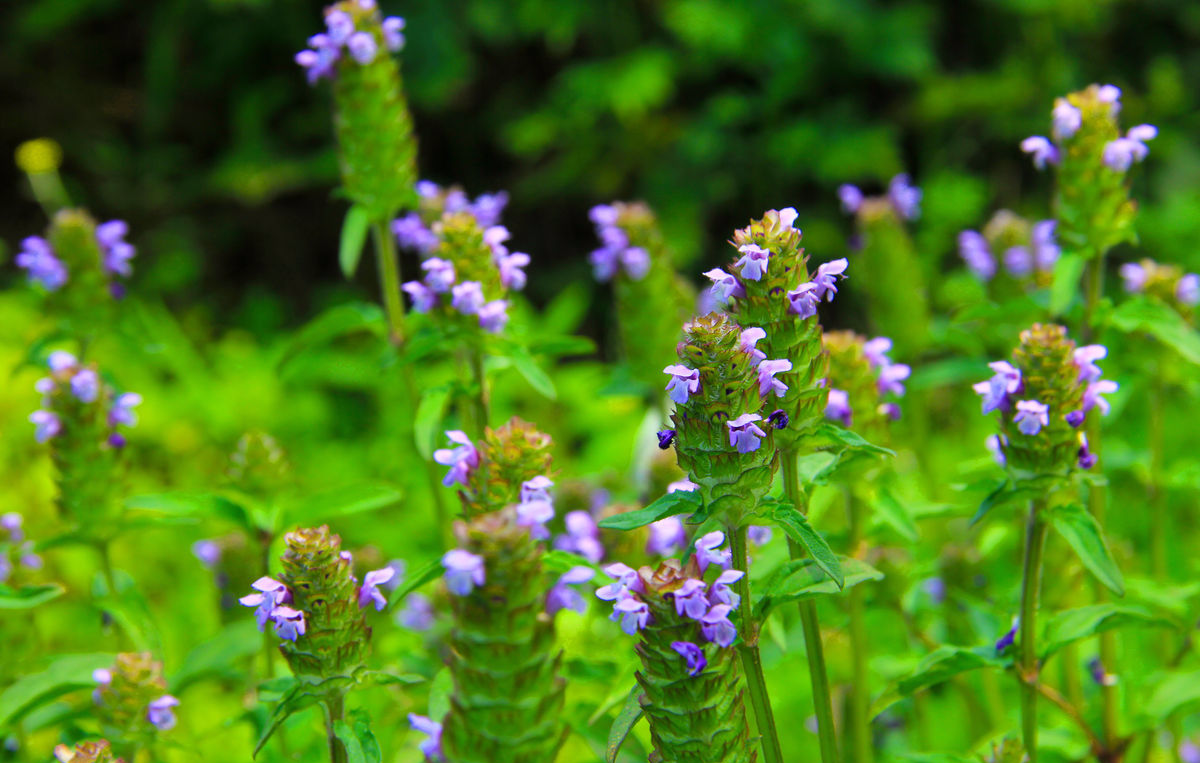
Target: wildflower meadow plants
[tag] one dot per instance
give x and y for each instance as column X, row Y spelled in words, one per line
column 439, row 526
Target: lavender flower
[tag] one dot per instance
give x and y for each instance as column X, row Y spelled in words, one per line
column 319, row 61
column 749, row 338
column 716, row 626
column 767, row 383
column 393, row 33
column 744, row 434
column 753, row 262
column 362, row 47
column 583, row 537
column 758, row 535
column 935, row 588
column 1067, row 119
column 995, row 445
column 690, row 600
column 803, row 300
column 876, row 351
column 1134, row 277
column 121, row 413
column 1085, row 458
column 636, row 262
column 289, row 623
column 1085, row 360
column 996, row 390
column 851, row 198
column 632, row 613
column 721, row 593
column 46, row 425
column 536, row 489
column 534, row 514
column 1045, row 247
column 827, row 277
column 837, row 408
column 1031, row 416
column 1092, row 395
column 208, row 552
column 159, row 712
column 707, row 553
column 423, row 298
column 1110, row 94
column 117, row 253
column 973, row 248
column 411, row 233
column 493, row 316
column 340, row 26
column 604, row 263
column 891, row 378
column 1187, row 290
column 464, row 571
column 1018, row 261
column 467, row 297
column 369, row 591
column 724, row 285
column 102, row 677
column 905, row 197
column 12, row 521
column 512, row 275
column 665, row 438
column 625, row 579
column 417, row 614
column 694, row 655
column 43, row 267
column 1041, row 149
column 439, row 274
column 1120, row 153
column 562, row 596
column 684, row 485
column 85, row 385
column 684, row 382
column 487, row 207
column 1189, row 752
column 431, row 747
column 461, row 460
column 270, row 594
column 667, row 537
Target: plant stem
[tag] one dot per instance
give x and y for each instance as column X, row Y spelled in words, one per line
column 1027, row 660
column 481, row 396
column 756, row 682
column 822, row 701
column 859, row 720
column 1093, row 277
column 1158, row 514
column 335, row 710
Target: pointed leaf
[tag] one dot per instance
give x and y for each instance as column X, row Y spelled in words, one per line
column 419, row 577
column 29, row 596
column 1071, row 625
column 428, row 420
column 330, row 504
column 1004, row 494
column 221, row 655
column 1172, row 695
column 1157, row 319
column 353, row 240
column 798, row 529
column 439, row 694
column 533, row 373
column 938, row 666
column 1083, row 533
column 1067, row 272
column 678, row 502
column 892, row 512
column 207, row 505
column 64, row 674
column 832, row 432
column 299, row 698
column 630, row 713
column 799, row 579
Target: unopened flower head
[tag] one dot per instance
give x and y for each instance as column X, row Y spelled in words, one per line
column 1167, row 283
column 354, row 35
column 864, row 383
column 131, row 696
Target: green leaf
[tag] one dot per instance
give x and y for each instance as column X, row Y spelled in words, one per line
column 1004, row 494
column 559, row 561
column 1142, row 314
column 1083, row 533
column 62, row 675
column 533, row 373
column 799, row 579
column 208, row 505
column 360, row 742
column 383, row 678
column 1172, row 695
column 221, row 655
column 678, row 502
column 1067, row 272
column 352, row 499
column 1071, row 625
column 893, row 513
column 938, row 666
column 630, row 713
column 29, row 596
column 353, row 240
column 419, row 577
column 338, row 321
column 832, row 432
column 798, row 529
column 350, row 743
column 299, row 698
column 428, row 420
column 439, row 694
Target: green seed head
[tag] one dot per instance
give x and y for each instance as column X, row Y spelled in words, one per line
column 1050, row 376
column 508, row 457
column 851, row 372
column 136, row 681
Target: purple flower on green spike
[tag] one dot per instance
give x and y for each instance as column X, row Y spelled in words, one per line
column 534, row 514
column 85, row 385
column 974, row 250
column 876, row 351
column 1041, row 149
column 318, row 64
column 1075, row 418
column 121, row 413
column 778, row 419
column 1045, row 246
column 636, row 262
column 269, row 594
column 423, row 298
column 464, row 571
column 625, row 579
column 1067, row 119
column 767, row 383
column 417, row 614
column 1138, row 136
column 632, row 613
column 1085, row 360
column 37, row 258
column 744, row 434
column 1110, row 94
column 1018, row 261
column 837, row 407
column 1187, row 290
column 1008, row 638
column 803, row 300
column 665, row 438
column 289, row 623
column 369, row 591
column 707, row 551
column 1031, row 416
column 12, row 521
column 461, row 460
column 46, row 425
column 604, row 263
column 1092, row 395
column 1086, row 458
column 667, row 537
column 753, row 262
column 512, row 275
column 684, row 382
column 690, row 600
column 439, row 274
column 749, row 338
column 995, row 391
column 159, row 712
column 431, row 747
column 493, row 316
column 467, row 297
column 716, row 626
column 721, row 593
column 684, row 486
column 1119, row 154
column 995, row 445
column 758, row 534
column 694, row 655
column 851, row 198
column 582, row 537
column 208, row 552
column 411, row 233
column 393, row 33
column 562, row 596
column 905, row 197
column 488, row 207
column 827, row 277
column 340, row 26
column 61, row 360
column 724, row 285
column 536, row 489
column 1134, row 277
column 891, row 379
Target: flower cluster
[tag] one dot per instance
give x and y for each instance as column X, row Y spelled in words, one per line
column 582, row 536
column 113, row 254
column 86, row 752
column 131, row 695
column 352, row 32
column 431, row 746
column 74, row 393
column 902, row 198
column 508, row 467
column 1068, row 117
column 1024, row 249
column 617, row 254
column 16, row 546
column 416, row 230
column 1167, row 282
column 862, row 378
column 1044, row 397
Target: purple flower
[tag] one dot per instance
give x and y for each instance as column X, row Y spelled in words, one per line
column 487, row 208
column 684, row 382
column 667, row 537
column 603, row 215
column 1085, row 457
column 1189, row 752
column 85, row 385
column 110, row 236
column 468, row 297
column 493, row 316
column 38, row 259
column 411, row 233
column 767, row 383
column 1134, row 276
column 1137, row 136
column 393, row 33
column 417, row 614
column 1110, row 94
column 827, row 276
column 707, row 553
column 694, row 655
column 159, row 712
column 464, row 571
column 111, row 233
column 1031, row 416
column 511, row 274
column 974, row 250
column 1092, row 395
column 289, row 623
column 891, row 410
column 891, row 378
column 665, row 438
column 494, row 237
column 439, row 274
column 636, row 262
column 1085, row 360
column 31, row 560
column 461, row 460
column 1007, row 639
column 1018, row 261
column 1041, row 150
column 534, row 514
column 625, row 579
column 562, row 596
column 431, row 747
column 778, row 418
column 995, row 445
column 536, row 489
column 208, row 552
column 270, row 594
column 876, row 351
column 995, row 391
column 744, row 434
column 1187, row 291
column 690, row 600
column 721, row 593
column 604, row 263
column 748, row 339
column 1074, row 418
column 803, row 300
column 936, row 589
column 46, row 425
column 787, row 218
column 583, row 537
column 724, row 285
column 369, row 590
column 5, row 568
column 633, row 613
column 682, row 486
column 716, row 627
column 423, row 298
column 851, row 198
column 318, row 64
column 905, row 198
column 1067, row 119
column 61, row 360
column 753, row 262
column 758, row 535
column 340, row 26
column 11, row 521
column 1045, row 246
column 837, row 408
column 1120, row 153
column 121, row 413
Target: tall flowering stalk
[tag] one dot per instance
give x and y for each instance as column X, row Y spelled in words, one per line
column 1025, row 251
column 132, row 703
column 683, row 615
column 496, row 472
column 651, row 300
column 1045, row 397
column 771, row 290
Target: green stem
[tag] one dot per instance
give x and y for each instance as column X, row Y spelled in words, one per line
column 1158, row 513
column 756, row 682
column 822, row 700
column 1093, row 276
column 1027, row 660
column 481, row 395
column 335, row 710
column 859, row 720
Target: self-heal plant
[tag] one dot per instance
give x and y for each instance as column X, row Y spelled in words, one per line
column 131, row 702
column 503, row 468
column 1026, row 252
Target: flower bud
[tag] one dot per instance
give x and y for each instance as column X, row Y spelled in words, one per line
column 131, row 699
